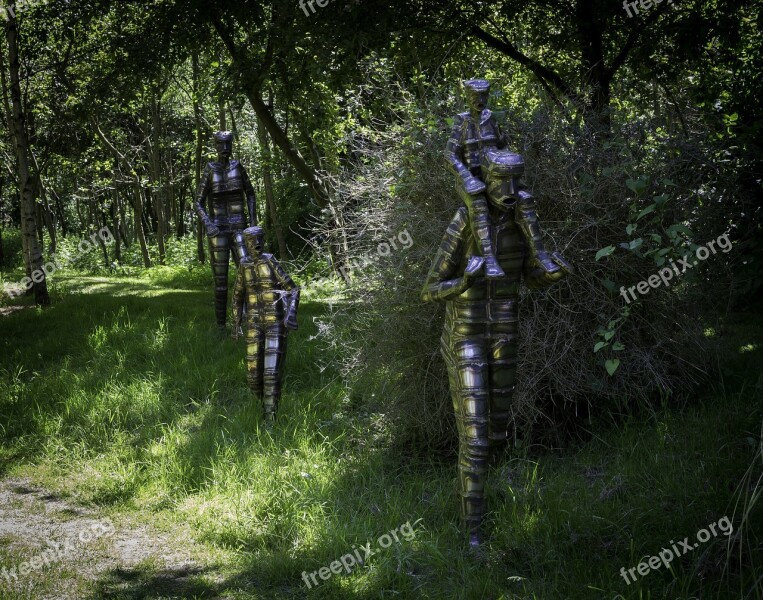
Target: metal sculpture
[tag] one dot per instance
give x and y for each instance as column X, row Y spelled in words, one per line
column 272, row 301
column 479, row 340
column 225, row 186
column 474, row 132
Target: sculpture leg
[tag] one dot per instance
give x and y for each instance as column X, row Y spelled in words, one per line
column 275, row 357
column 255, row 350
column 466, row 359
column 480, row 222
column 219, row 255
column 503, row 371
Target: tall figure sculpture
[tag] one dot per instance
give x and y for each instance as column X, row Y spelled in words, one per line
column 479, row 340
column 474, row 132
column 272, row 300
column 225, row 185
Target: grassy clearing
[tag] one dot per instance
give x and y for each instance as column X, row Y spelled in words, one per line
column 122, row 397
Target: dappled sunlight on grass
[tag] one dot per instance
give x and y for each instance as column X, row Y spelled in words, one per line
column 135, row 402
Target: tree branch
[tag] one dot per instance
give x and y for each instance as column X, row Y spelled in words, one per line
column 632, row 40
column 541, row 72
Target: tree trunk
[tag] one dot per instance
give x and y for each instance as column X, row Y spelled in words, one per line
column 157, row 191
column 33, row 255
column 199, row 149
column 253, row 91
column 266, row 161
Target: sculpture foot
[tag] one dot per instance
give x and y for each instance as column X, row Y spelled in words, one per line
column 477, row 546
column 492, row 269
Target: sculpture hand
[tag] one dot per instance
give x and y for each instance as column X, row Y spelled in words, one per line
column 473, row 267
column 212, row 230
column 290, row 309
column 473, row 186
column 546, row 269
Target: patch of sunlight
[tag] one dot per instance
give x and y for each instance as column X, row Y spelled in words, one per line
column 748, row 348
column 97, row 338
column 158, row 338
column 710, row 332
column 122, row 287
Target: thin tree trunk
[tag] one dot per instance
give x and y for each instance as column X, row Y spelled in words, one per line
column 33, row 255
column 267, row 177
column 200, row 253
column 157, row 191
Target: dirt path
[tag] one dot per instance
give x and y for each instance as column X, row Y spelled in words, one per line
column 53, row 549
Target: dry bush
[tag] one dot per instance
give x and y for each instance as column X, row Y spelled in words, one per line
column 389, row 339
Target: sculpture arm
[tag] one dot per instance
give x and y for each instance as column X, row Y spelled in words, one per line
column 440, row 284
column 291, row 298
column 454, row 158
column 199, row 204
column 251, row 198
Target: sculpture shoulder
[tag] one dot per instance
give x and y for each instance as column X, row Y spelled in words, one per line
column 270, row 260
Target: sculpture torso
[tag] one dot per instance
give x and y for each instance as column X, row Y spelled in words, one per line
column 264, row 292
column 474, row 136
column 226, row 193
column 489, row 301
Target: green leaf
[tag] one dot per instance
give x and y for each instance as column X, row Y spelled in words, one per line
column 599, row 346
column 636, row 185
column 617, row 346
column 646, row 211
column 608, row 335
column 605, row 252
column 680, row 227
column 611, row 365
column 631, row 228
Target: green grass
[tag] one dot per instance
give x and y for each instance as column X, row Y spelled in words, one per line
column 122, row 396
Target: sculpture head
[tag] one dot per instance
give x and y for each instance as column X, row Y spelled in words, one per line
column 254, row 241
column 224, row 143
column 476, row 93
column 501, row 170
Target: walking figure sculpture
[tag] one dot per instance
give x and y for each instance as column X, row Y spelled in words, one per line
column 474, row 132
column 272, row 301
column 479, row 340
column 225, row 185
